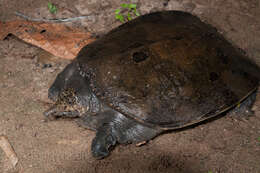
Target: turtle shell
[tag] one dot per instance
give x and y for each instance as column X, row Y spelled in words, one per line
column 168, row 70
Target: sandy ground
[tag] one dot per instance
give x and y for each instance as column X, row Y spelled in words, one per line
column 224, row 145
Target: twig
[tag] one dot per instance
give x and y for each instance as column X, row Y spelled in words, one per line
column 140, row 143
column 8, row 149
column 51, row 20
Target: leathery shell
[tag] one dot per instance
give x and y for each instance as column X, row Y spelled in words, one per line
column 168, row 70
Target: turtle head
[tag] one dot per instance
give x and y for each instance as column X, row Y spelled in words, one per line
column 63, row 80
column 68, row 104
column 71, row 94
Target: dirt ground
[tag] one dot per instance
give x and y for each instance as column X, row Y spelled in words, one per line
column 224, row 145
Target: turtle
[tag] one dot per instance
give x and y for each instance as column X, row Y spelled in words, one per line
column 162, row 71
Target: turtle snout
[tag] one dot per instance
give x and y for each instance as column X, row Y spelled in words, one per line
column 50, row 113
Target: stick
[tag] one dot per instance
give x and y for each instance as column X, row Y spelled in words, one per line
column 8, row 149
column 51, row 20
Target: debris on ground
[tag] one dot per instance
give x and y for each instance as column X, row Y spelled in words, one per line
column 58, row 39
column 8, row 150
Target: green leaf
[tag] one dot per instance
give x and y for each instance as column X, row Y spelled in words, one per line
column 124, row 5
column 117, row 16
column 117, row 11
column 52, row 8
column 258, row 139
column 132, row 6
column 136, row 13
column 49, row 5
column 129, row 16
column 210, row 172
column 121, row 18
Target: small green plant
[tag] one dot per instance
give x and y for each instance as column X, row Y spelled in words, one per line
column 130, row 9
column 258, row 139
column 210, row 172
column 52, row 8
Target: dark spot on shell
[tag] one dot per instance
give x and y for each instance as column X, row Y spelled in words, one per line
column 43, row 31
column 213, row 76
column 178, row 37
column 245, row 74
column 139, row 56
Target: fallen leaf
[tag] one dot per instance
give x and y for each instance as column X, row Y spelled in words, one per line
column 58, row 39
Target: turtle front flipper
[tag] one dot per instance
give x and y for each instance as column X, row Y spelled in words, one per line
column 116, row 128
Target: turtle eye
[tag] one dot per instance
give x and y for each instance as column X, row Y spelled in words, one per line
column 139, row 56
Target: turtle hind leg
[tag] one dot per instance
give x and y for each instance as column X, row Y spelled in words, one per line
column 116, row 128
column 245, row 107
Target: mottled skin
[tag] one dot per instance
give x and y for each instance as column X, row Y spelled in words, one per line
column 161, row 71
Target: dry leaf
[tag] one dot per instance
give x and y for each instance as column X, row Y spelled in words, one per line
column 58, row 39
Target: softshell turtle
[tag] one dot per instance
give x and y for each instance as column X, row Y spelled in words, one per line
column 161, row 71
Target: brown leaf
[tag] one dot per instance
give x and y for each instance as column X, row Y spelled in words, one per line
column 60, row 40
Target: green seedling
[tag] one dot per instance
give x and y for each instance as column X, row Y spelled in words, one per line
column 52, row 8
column 258, row 139
column 131, row 12
column 210, row 172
